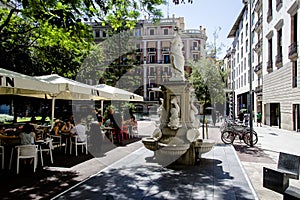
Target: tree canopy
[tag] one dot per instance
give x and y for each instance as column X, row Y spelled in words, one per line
column 39, row 37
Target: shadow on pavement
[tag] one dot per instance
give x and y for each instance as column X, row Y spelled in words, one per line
column 206, row 180
column 46, row 183
column 252, row 154
column 42, row 184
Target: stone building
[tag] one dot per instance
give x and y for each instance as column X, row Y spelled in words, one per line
column 274, row 53
column 281, row 93
column 153, row 42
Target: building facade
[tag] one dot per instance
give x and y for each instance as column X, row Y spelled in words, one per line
column 153, row 44
column 266, row 39
column 281, row 90
column 243, row 62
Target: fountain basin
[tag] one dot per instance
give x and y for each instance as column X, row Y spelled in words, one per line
column 173, row 149
column 203, row 146
column 150, row 143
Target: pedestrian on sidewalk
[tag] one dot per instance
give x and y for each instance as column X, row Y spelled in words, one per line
column 258, row 119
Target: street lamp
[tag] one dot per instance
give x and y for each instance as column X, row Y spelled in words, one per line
column 249, row 4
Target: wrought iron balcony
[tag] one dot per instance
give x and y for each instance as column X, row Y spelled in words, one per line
column 165, row 49
column 139, row 50
column 258, row 89
column 258, row 5
column 258, row 44
column 270, row 66
column 278, row 4
column 195, row 48
column 258, row 67
column 258, row 24
column 151, row 49
column 279, row 60
column 269, row 15
column 293, row 51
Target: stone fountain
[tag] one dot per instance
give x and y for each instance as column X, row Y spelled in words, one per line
column 176, row 140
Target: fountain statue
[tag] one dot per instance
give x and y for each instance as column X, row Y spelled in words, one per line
column 174, row 112
column 176, row 140
column 177, row 58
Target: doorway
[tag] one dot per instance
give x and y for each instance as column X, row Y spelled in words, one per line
column 275, row 115
column 296, row 117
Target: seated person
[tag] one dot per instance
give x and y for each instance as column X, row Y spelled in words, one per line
column 132, row 123
column 27, row 135
column 79, row 130
column 33, row 122
column 65, row 130
column 107, row 123
column 2, row 129
column 57, row 128
column 3, row 136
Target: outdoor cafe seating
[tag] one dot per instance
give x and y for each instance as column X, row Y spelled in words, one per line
column 127, row 132
column 45, row 146
column 25, row 152
column 74, row 141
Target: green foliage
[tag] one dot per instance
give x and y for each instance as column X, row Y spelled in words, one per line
column 207, row 81
column 54, row 36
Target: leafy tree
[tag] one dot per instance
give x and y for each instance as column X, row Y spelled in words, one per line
column 55, row 36
column 208, row 79
column 35, row 47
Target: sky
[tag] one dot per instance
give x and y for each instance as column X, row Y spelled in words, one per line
column 210, row 14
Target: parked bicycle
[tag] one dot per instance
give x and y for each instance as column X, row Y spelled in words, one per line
column 230, row 131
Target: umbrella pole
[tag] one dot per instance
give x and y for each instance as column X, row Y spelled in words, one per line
column 102, row 111
column 52, row 111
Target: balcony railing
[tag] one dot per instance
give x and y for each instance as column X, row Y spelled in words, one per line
column 258, row 67
column 293, row 51
column 157, row 62
column 151, row 49
column 258, row 44
column 258, row 23
column 279, row 60
column 278, row 4
column 258, row 4
column 165, row 49
column 139, row 50
column 269, row 15
column 195, row 48
column 258, row 89
column 270, row 66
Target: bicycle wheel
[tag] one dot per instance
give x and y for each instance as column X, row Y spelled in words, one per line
column 227, row 137
column 247, row 138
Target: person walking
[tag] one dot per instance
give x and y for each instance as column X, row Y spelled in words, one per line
column 241, row 117
column 258, row 119
column 98, row 116
column 116, row 121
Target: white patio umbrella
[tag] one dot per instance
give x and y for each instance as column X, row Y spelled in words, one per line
column 72, row 90
column 119, row 94
column 13, row 83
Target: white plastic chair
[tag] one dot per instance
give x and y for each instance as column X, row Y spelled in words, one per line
column 46, row 146
column 75, row 141
column 27, row 151
column 58, row 140
column 2, row 155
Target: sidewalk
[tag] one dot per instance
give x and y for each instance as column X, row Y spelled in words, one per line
column 271, row 141
column 218, row 175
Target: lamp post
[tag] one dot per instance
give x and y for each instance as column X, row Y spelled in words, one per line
column 249, row 4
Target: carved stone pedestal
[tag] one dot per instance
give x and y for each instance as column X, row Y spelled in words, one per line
column 177, row 141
